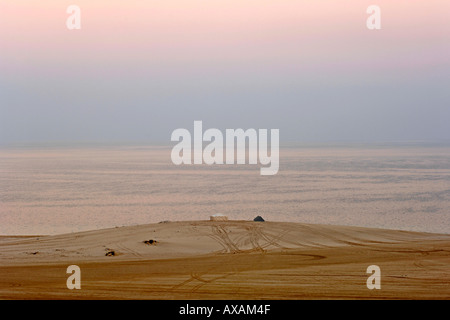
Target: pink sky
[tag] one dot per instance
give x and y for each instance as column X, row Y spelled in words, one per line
column 326, row 34
column 137, row 69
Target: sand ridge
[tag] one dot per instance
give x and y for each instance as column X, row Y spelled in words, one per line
column 227, row 260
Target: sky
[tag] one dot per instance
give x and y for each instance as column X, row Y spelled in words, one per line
column 137, row 70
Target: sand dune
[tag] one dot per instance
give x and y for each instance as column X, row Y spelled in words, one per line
column 227, row 260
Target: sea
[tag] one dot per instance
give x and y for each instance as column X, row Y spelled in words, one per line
column 47, row 190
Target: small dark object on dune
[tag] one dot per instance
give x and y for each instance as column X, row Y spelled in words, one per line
column 110, row 253
column 259, row 218
column 150, row 242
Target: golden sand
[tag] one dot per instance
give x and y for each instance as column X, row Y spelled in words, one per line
column 227, row 260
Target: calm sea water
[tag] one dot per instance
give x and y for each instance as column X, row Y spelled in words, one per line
column 58, row 190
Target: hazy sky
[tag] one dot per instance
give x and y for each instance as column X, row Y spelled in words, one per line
column 137, row 70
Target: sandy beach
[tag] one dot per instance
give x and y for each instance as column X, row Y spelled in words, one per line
column 227, row 260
